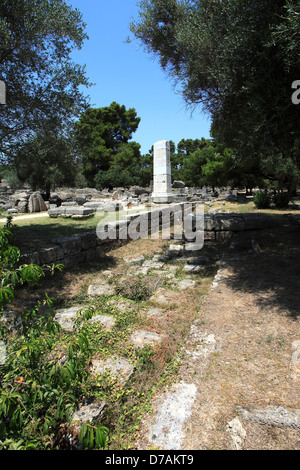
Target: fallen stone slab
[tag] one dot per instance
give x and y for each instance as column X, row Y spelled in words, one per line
column 66, row 317
column 104, row 288
column 166, row 428
column 73, row 211
column 199, row 343
column 141, row 337
column 152, row 264
column 174, row 250
column 70, row 245
column 88, row 413
column 138, row 270
column 232, row 222
column 193, row 268
column 106, row 321
column 118, row 367
column 122, row 305
column 186, row 284
column 198, row 260
column 273, row 416
column 84, row 414
column 137, row 260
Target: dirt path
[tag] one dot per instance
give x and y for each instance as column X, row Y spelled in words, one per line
column 27, row 216
column 239, row 381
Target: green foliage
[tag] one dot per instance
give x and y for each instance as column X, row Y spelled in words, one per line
column 12, row 274
column 262, row 200
column 124, row 169
column 102, row 136
column 45, row 161
column 237, row 60
column 43, row 83
column 93, row 437
column 208, row 164
column 35, row 395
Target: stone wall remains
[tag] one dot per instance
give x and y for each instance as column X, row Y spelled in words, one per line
column 86, row 247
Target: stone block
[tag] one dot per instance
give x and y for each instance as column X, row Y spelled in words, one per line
column 74, row 259
column 142, row 337
column 103, row 288
column 209, row 235
column 209, row 223
column 86, row 414
column 185, row 284
column 96, row 205
column 224, row 222
column 118, row 367
column 70, row 245
column 66, row 317
column 223, row 235
column 57, row 212
column 31, row 258
column 79, row 210
column 51, row 254
column 88, row 240
column 107, row 322
column 36, row 203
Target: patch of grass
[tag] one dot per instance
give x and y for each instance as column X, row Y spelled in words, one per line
column 32, row 234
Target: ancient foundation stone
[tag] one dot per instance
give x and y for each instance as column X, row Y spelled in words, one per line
column 118, row 367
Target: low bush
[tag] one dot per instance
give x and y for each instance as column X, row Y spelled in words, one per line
column 262, row 200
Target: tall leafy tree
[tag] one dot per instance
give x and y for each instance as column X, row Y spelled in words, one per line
column 42, row 82
column 237, row 59
column 46, row 161
column 102, row 134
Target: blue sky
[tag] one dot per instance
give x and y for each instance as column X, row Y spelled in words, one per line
column 127, row 74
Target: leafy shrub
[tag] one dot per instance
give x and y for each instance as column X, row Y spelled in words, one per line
column 39, row 388
column 137, row 288
column 262, row 200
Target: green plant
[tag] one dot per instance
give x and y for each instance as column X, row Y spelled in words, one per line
column 134, row 288
column 93, row 437
column 262, row 200
column 37, row 393
column 281, row 199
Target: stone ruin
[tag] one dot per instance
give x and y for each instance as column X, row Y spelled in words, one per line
column 81, row 203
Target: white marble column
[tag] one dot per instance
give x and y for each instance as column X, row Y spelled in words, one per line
column 162, row 184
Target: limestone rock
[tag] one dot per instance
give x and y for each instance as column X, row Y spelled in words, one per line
column 106, row 321
column 88, row 413
column 141, row 337
column 118, row 367
column 237, row 432
column 193, row 268
column 36, row 203
column 186, row 284
column 103, row 288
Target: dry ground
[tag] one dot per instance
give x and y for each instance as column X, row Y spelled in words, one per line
column 253, row 315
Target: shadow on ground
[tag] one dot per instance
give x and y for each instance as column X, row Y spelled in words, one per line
column 273, row 272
